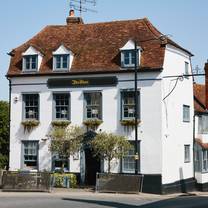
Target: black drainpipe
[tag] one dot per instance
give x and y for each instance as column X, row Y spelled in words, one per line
column 10, row 90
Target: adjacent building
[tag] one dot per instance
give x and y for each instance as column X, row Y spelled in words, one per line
column 82, row 72
column 201, row 133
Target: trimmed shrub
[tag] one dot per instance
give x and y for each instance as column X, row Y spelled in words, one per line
column 64, row 180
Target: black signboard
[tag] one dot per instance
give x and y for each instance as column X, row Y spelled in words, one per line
column 82, row 82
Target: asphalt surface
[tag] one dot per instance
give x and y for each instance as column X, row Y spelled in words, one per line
column 81, row 199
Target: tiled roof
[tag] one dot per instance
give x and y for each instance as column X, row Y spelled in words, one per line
column 95, row 46
column 199, row 98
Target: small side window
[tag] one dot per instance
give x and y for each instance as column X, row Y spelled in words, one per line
column 186, row 113
column 187, row 153
column 186, row 69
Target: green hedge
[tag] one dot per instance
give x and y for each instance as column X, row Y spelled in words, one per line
column 59, row 180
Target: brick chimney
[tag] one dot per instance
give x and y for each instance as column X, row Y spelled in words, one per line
column 71, row 19
column 206, row 83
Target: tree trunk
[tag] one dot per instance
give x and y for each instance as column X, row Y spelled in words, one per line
column 109, row 165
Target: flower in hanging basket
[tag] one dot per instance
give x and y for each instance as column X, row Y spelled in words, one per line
column 92, row 123
column 60, row 123
column 129, row 122
column 30, row 124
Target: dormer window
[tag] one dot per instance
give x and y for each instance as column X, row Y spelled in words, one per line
column 62, row 59
column 61, row 62
column 128, row 57
column 31, row 60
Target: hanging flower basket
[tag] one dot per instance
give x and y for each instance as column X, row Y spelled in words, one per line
column 130, row 122
column 92, row 123
column 30, row 124
column 60, row 123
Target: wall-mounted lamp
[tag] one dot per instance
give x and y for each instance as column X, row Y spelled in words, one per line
column 16, row 99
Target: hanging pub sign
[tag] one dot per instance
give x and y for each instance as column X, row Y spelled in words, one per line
column 82, row 82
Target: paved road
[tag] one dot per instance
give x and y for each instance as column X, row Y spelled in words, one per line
column 94, row 200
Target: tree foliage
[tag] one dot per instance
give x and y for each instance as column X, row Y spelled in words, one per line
column 109, row 146
column 66, row 141
column 4, row 133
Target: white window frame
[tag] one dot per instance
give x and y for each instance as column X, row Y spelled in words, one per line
column 186, row 113
column 55, row 94
column 131, row 53
column 187, row 153
column 129, row 158
column 186, row 68
column 132, row 105
column 32, row 154
column 61, row 62
column 93, row 106
column 31, row 106
column 30, row 69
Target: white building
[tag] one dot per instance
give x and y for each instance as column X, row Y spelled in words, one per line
column 201, row 133
column 82, row 71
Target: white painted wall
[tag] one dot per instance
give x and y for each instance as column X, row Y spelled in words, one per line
column 176, row 133
column 149, row 129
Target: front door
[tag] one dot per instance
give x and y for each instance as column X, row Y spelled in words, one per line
column 92, row 166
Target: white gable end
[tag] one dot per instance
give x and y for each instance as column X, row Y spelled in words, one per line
column 31, row 51
column 128, row 46
column 62, row 50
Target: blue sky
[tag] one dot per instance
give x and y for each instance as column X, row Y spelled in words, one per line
column 185, row 20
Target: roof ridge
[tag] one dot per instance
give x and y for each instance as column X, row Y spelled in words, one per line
column 98, row 23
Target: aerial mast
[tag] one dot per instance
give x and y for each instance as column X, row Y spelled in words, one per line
column 81, row 5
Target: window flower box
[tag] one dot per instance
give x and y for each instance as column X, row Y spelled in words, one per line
column 30, row 124
column 60, row 123
column 92, row 123
column 129, row 122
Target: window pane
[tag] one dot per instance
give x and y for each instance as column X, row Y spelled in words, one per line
column 65, row 61
column 30, row 154
column 186, row 113
column 128, row 106
column 187, row 153
column 129, row 161
column 27, row 62
column 132, row 57
column 126, row 57
column 93, row 105
column 31, row 102
column 58, row 62
column 61, row 106
column 31, row 62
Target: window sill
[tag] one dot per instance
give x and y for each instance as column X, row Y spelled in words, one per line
column 29, row 71
column 60, row 70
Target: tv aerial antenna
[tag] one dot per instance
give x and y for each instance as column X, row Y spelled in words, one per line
column 81, row 5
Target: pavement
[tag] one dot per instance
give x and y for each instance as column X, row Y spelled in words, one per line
column 86, row 198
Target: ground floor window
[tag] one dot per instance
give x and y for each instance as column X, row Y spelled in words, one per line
column 200, row 159
column 30, row 154
column 205, row 160
column 128, row 161
column 60, row 163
